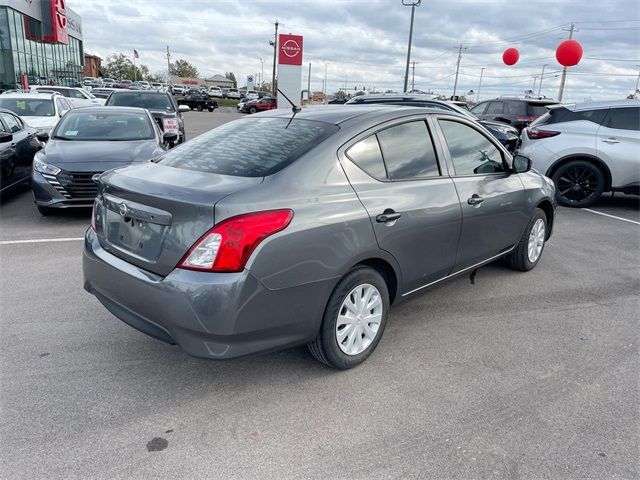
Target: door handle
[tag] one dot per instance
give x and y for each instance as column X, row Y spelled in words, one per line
column 610, row 140
column 388, row 216
column 475, row 200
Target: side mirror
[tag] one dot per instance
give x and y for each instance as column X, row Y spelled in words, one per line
column 170, row 137
column 183, row 108
column 521, row 164
column 6, row 137
column 43, row 136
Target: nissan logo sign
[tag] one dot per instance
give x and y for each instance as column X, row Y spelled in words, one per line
column 61, row 14
column 291, row 48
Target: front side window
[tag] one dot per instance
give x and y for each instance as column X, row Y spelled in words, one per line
column 471, row 152
column 408, row 151
column 12, row 122
column 624, row 118
column 479, row 109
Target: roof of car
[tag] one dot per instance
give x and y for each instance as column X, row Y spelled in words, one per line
column 525, row 99
column 47, row 96
column 108, row 109
column 600, row 104
column 393, row 96
column 337, row 114
column 143, row 92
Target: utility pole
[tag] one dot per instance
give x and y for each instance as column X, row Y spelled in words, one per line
column 275, row 50
column 635, row 92
column 563, row 79
column 480, row 84
column 261, row 73
column 541, row 77
column 324, row 83
column 309, row 82
column 168, row 57
column 413, row 4
column 455, row 84
column 413, row 76
column 535, row 80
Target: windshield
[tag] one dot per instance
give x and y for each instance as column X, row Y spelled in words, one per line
column 250, row 147
column 104, row 126
column 152, row 101
column 29, row 107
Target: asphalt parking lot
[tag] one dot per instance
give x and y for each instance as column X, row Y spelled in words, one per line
column 511, row 375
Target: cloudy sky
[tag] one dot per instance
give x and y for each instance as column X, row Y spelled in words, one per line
column 362, row 43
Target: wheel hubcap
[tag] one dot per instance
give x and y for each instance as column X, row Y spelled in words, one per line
column 536, row 240
column 359, row 319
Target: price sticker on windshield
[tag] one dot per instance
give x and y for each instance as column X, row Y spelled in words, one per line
column 170, row 125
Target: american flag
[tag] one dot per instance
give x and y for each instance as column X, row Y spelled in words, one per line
column 135, row 54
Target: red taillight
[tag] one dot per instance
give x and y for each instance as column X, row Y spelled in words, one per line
column 228, row 246
column 536, row 134
column 525, row 118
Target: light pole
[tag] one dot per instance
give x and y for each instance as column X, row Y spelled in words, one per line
column 261, row 73
column 324, row 83
column 535, row 80
column 480, row 84
column 635, row 92
column 541, row 78
column 413, row 4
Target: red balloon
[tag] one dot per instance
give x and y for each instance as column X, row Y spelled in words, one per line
column 569, row 53
column 510, row 56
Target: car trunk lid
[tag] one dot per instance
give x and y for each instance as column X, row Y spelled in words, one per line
column 151, row 223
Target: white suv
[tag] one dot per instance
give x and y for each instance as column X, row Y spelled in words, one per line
column 587, row 149
column 40, row 110
column 79, row 97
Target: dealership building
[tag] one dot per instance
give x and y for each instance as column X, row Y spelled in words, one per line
column 40, row 41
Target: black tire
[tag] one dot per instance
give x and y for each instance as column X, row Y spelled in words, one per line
column 199, row 108
column 45, row 211
column 325, row 347
column 578, row 183
column 253, row 110
column 518, row 259
column 210, row 109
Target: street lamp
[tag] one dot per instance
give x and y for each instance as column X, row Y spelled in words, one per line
column 413, row 4
column 541, row 78
column 261, row 73
column 480, row 84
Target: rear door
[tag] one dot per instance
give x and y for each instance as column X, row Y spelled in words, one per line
column 410, row 199
column 494, row 212
column 618, row 145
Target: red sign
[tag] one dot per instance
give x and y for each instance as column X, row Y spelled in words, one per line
column 290, row 50
column 24, row 82
column 59, row 32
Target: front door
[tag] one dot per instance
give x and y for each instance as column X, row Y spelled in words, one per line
column 491, row 197
column 410, row 199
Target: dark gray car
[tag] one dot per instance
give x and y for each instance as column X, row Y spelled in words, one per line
column 269, row 232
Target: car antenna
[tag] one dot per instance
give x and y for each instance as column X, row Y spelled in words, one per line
column 294, row 108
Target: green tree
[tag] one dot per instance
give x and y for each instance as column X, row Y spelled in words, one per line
column 120, row 66
column 182, row 68
column 232, row 77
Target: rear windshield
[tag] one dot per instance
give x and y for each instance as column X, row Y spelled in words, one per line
column 537, row 109
column 562, row 114
column 29, row 107
column 152, row 101
column 249, row 147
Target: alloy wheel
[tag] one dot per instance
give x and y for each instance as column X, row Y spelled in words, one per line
column 536, row 240
column 577, row 184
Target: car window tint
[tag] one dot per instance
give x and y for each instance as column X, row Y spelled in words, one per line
column 408, row 151
column 471, row 152
column 624, row 118
column 537, row 109
column 515, row 108
column 494, row 107
column 367, row 155
column 12, row 122
column 254, row 147
column 479, row 108
column 562, row 114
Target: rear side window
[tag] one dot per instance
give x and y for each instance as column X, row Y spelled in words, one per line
column 515, row 108
column 249, row 147
column 494, row 107
column 471, row 152
column 624, row 118
column 408, row 151
column 562, row 114
column 366, row 154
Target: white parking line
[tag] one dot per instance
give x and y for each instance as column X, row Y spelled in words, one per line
column 611, row 216
column 40, row 240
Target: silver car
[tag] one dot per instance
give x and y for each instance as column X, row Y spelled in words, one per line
column 274, row 231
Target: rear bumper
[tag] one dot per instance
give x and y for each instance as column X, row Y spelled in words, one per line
column 209, row 315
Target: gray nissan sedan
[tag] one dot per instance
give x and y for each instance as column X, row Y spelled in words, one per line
column 273, row 231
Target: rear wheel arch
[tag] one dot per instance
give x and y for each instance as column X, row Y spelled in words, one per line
column 586, row 158
column 387, row 271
